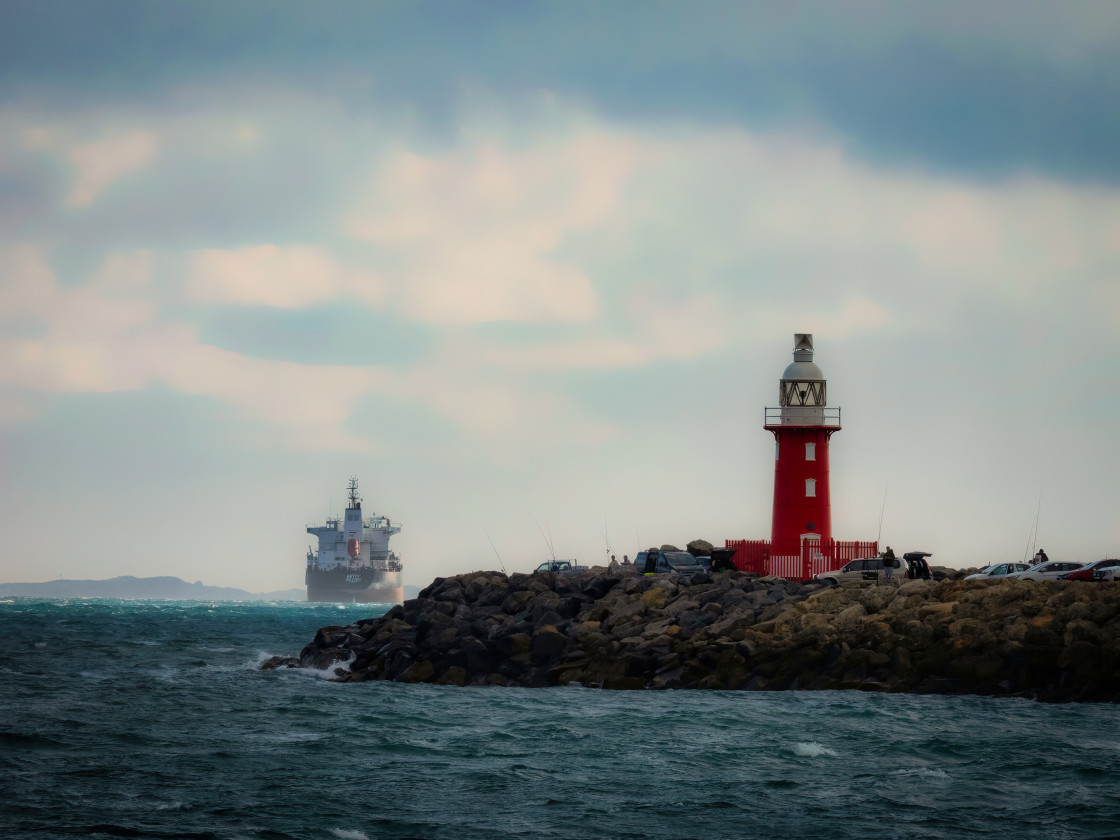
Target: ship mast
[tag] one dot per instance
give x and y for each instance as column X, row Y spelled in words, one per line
column 355, row 501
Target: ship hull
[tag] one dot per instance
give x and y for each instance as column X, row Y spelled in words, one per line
column 355, row 585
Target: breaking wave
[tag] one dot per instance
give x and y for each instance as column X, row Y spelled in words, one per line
column 812, row 749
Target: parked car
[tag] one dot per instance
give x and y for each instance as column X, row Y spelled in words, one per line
column 998, row 570
column 863, row 568
column 564, row 567
column 656, row 561
column 1090, row 571
column 915, row 565
column 1047, row 571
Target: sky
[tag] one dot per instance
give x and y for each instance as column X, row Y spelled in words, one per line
column 531, row 272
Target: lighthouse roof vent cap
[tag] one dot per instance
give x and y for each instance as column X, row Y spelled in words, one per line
column 803, row 347
column 803, row 369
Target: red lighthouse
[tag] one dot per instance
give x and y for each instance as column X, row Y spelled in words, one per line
column 802, row 426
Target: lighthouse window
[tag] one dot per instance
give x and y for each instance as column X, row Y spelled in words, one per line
column 810, row 487
column 776, row 450
column 810, row 452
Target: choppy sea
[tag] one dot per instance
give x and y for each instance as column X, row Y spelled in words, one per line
column 151, row 719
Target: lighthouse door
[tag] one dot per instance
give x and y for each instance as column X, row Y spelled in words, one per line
column 810, row 554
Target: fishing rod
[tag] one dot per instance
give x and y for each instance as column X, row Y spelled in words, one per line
column 547, row 540
column 882, row 508
column 1032, row 535
column 607, row 540
column 500, row 563
column 1037, row 513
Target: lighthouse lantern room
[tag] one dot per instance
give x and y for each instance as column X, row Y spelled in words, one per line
column 802, row 425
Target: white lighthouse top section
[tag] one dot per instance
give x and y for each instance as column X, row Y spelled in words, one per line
column 802, row 368
column 802, row 390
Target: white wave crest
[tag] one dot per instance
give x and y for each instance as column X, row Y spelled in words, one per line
column 343, row 834
column 932, row 772
column 812, row 749
column 327, row 673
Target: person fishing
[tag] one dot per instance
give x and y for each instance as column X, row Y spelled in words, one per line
column 889, row 563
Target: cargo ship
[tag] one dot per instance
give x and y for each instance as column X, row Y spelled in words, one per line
column 354, row 563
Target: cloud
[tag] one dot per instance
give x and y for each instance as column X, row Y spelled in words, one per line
column 473, row 234
column 291, row 277
column 100, row 163
column 535, row 249
column 301, row 406
column 110, row 334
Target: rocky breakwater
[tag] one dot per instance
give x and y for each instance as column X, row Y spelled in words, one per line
column 1050, row 641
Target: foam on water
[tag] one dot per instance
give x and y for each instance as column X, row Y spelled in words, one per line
column 928, row 772
column 327, row 673
column 812, row 749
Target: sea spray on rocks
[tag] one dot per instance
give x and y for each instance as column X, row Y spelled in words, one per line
column 1054, row 641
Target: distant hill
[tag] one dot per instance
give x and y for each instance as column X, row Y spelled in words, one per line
column 155, row 588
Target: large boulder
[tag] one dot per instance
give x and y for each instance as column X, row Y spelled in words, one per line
column 700, row 548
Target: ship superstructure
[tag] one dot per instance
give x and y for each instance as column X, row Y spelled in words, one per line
column 353, row 561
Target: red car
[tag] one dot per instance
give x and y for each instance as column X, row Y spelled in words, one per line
column 1090, row 571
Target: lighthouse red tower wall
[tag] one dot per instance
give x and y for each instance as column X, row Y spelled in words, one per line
column 802, row 503
column 801, row 542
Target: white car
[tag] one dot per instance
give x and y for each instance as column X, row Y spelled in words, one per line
column 1047, row 571
column 998, row 570
column 863, row 569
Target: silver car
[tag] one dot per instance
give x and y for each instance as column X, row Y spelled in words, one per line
column 998, row 570
column 863, row 569
column 1047, row 571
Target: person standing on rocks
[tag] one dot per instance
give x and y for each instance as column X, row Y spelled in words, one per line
column 889, row 562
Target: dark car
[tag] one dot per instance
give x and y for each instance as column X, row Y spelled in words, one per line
column 718, row 561
column 1090, row 571
column 656, row 561
column 564, row 567
column 916, row 565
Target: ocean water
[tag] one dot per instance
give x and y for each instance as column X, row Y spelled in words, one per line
column 153, row 720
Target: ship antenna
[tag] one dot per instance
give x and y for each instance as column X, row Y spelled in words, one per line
column 500, row 563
